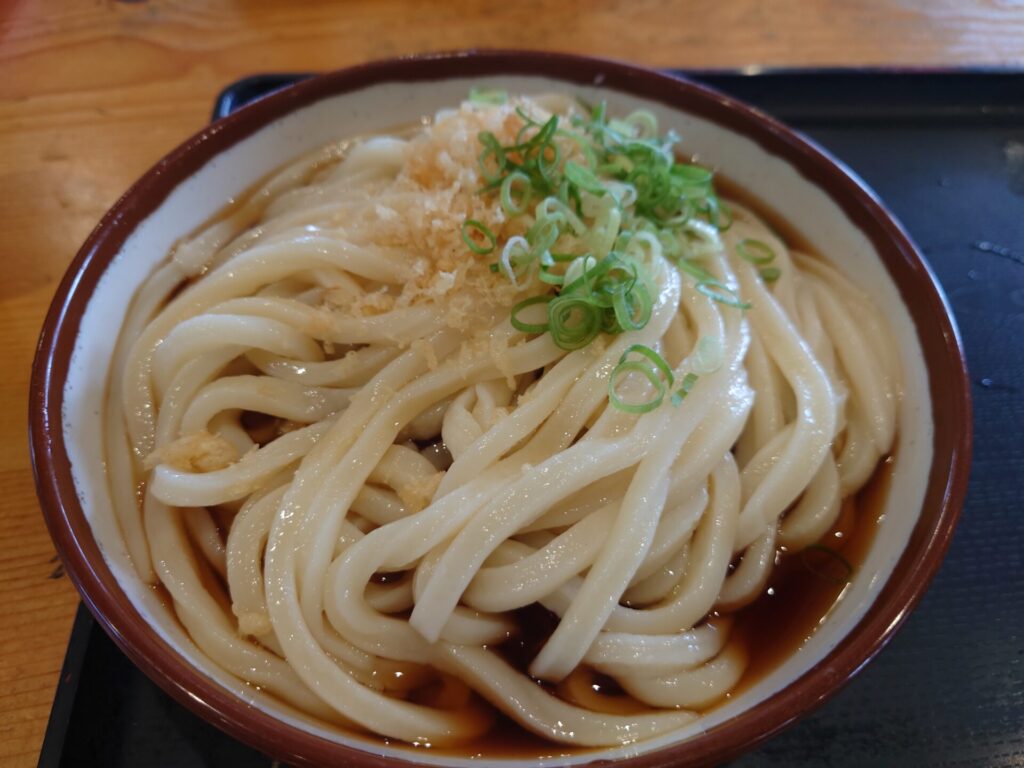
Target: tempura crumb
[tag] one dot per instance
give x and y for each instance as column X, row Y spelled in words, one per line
column 426, row 351
column 416, row 496
column 198, row 452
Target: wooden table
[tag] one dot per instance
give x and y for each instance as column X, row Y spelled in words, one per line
column 93, row 93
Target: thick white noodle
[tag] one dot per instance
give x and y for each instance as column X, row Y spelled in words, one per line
column 357, row 480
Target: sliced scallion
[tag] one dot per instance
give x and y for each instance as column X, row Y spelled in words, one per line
column 515, row 193
column 573, row 321
column 606, row 241
column 635, row 366
column 829, row 564
column 722, row 293
column 469, row 226
column 515, row 257
column 487, row 97
column 632, row 308
column 755, row 251
column 692, row 175
column 583, row 178
column 718, row 213
column 684, row 388
column 659, row 362
column 519, row 325
column 709, row 354
column 643, row 123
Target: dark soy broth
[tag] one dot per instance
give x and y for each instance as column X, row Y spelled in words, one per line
column 805, row 586
column 800, row 594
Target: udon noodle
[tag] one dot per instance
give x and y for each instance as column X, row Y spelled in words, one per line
column 350, row 434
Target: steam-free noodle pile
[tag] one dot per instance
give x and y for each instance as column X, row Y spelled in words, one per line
column 520, row 355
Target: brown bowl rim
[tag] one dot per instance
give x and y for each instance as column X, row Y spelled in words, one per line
column 937, row 332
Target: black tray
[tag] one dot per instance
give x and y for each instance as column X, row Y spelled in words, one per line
column 945, row 150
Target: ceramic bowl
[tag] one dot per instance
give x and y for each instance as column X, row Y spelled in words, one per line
column 819, row 198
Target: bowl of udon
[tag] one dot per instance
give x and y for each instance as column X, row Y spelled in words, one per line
column 509, row 407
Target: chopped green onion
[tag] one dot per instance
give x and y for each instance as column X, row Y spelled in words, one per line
column 659, row 362
column 508, row 201
column 562, row 257
column 632, row 308
column 472, row 225
column 584, row 146
column 553, row 208
column 525, row 116
column 755, row 251
column 492, row 148
column 622, row 128
column 521, row 261
column 684, row 388
column 547, row 276
column 583, row 178
column 708, row 355
column 574, row 321
column 770, row 274
column 487, row 96
column 543, row 234
column 671, row 245
column 692, row 175
column 718, row 213
column 578, row 268
column 607, row 242
column 711, row 286
column 819, row 565
column 588, row 275
column 617, row 165
column 635, row 366
column 608, row 323
column 643, row 123
column 519, row 325
column 494, row 266
column 697, row 272
column 547, row 164
column 543, row 135
column 721, row 293
column 625, row 366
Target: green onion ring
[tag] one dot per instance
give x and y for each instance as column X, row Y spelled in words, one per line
column 508, row 201
column 519, row 325
column 755, row 251
column 487, row 96
column 561, row 312
column 635, row 366
column 472, row 224
column 659, row 362
column 622, row 304
column 838, row 558
column 684, row 388
column 729, row 297
column 583, row 178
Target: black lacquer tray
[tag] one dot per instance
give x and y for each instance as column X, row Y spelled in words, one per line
column 945, row 150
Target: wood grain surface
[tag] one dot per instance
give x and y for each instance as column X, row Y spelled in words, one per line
column 93, row 92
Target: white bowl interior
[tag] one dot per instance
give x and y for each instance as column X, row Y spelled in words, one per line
column 806, row 207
